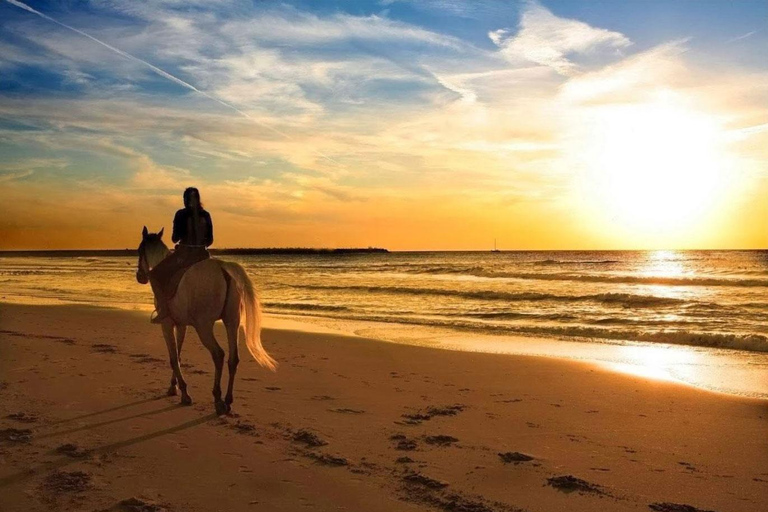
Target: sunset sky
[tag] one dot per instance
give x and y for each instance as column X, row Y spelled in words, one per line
column 429, row 124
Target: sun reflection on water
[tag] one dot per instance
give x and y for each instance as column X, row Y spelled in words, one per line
column 662, row 363
column 665, row 264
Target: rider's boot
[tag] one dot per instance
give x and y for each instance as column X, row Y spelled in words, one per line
column 162, row 312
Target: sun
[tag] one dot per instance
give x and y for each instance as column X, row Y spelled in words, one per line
column 655, row 167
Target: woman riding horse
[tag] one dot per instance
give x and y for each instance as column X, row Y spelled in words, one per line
column 193, row 233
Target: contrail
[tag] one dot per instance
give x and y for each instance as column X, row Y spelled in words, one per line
column 161, row 73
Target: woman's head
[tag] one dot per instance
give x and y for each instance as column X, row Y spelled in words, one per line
column 192, row 198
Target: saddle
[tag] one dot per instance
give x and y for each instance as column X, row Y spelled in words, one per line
column 185, row 258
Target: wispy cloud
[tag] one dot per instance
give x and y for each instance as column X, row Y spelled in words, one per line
column 550, row 40
column 742, row 36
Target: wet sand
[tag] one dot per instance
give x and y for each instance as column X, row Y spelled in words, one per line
column 353, row 424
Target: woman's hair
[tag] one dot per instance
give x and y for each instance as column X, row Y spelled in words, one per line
column 188, row 194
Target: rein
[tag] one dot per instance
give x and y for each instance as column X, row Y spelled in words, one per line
column 143, row 266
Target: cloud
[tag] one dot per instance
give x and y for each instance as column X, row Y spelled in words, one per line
column 742, row 36
column 549, row 40
column 636, row 78
column 17, row 170
column 14, row 175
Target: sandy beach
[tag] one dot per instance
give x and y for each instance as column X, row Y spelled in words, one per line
column 353, row 424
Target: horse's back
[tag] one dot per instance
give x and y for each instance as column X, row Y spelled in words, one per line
column 204, row 274
column 202, row 290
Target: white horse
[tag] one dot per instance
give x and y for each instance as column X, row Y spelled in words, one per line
column 210, row 290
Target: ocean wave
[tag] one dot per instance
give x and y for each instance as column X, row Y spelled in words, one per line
column 595, row 278
column 621, row 299
column 512, row 315
column 733, row 341
column 575, row 262
column 304, row 306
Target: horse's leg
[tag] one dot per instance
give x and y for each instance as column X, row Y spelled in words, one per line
column 181, row 332
column 205, row 332
column 232, row 324
column 173, row 354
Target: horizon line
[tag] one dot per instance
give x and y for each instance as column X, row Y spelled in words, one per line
column 379, row 249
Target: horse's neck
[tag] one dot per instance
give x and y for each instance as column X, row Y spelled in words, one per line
column 157, row 255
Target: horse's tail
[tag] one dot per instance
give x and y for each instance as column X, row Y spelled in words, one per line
column 250, row 303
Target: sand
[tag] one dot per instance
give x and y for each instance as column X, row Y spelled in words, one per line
column 353, row 424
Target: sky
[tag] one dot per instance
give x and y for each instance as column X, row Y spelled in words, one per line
column 410, row 125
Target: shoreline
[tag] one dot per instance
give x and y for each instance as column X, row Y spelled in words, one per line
column 726, row 371
column 405, row 427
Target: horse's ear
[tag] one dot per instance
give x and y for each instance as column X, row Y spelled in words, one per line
column 160, row 234
column 144, row 233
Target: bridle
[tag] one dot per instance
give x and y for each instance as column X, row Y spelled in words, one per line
column 142, row 271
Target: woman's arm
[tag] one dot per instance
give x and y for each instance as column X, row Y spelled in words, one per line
column 209, row 231
column 179, row 226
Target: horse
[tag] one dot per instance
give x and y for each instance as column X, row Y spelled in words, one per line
column 210, row 290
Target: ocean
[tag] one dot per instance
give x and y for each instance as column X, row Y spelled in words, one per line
column 715, row 302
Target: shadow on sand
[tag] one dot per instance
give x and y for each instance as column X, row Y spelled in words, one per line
column 107, row 448
column 111, row 409
column 109, row 422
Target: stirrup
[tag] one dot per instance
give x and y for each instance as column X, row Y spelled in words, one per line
column 155, row 318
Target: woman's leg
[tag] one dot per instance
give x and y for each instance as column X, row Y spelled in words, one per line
column 158, row 279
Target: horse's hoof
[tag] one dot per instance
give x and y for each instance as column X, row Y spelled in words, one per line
column 172, row 391
column 229, row 408
column 186, row 400
column 221, row 408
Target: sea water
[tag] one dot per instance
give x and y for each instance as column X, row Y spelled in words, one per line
column 696, row 316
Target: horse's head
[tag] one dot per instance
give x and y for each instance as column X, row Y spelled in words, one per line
column 151, row 251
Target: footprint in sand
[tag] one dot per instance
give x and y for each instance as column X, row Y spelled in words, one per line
column 22, row 417
column 327, row 460
column 137, row 505
column 347, row 411
column 245, row 428
column 103, row 348
column 308, row 438
column 423, row 480
column 569, row 484
column 15, row 435
column 675, row 507
column 72, row 450
column 65, row 482
column 433, row 411
column 145, row 359
column 403, row 443
column 688, row 466
column 514, row 457
column 440, row 440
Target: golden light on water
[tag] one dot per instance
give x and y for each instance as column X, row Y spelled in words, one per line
column 663, row 363
column 664, row 264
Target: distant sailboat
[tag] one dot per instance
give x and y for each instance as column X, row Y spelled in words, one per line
column 494, row 246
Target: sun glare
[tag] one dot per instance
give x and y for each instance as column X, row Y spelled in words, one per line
column 654, row 167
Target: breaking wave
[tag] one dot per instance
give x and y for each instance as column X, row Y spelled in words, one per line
column 621, row 299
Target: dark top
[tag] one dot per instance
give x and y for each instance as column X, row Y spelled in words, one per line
column 187, row 232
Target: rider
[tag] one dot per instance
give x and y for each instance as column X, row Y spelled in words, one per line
column 193, row 232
